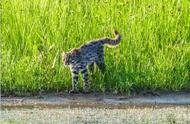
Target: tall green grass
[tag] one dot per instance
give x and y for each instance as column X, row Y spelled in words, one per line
column 154, row 52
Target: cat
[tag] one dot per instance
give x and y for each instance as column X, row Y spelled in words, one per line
column 91, row 53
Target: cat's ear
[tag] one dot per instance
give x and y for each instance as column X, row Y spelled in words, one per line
column 75, row 51
column 63, row 53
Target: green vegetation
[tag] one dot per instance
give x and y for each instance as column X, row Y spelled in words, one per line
column 154, row 52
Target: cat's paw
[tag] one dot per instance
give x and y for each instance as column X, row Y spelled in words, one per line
column 73, row 91
column 86, row 90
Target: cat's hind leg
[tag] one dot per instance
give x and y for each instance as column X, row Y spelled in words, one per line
column 100, row 61
column 91, row 67
column 101, row 64
column 75, row 74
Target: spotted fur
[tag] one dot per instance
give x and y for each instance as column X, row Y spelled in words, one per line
column 87, row 55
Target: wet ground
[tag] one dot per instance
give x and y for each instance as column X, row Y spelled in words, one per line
column 97, row 108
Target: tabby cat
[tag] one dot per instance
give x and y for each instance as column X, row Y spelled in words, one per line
column 91, row 53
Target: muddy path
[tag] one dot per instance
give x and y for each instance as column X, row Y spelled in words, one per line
column 97, row 100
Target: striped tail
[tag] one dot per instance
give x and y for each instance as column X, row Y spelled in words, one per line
column 112, row 41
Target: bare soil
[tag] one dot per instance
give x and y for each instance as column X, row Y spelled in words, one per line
column 62, row 108
column 97, row 100
column 147, row 115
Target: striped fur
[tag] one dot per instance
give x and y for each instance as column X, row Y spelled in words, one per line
column 87, row 55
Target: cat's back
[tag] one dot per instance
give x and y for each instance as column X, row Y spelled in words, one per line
column 91, row 46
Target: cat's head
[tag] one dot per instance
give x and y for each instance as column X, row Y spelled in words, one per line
column 69, row 57
column 65, row 58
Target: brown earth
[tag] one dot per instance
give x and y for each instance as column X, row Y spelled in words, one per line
column 97, row 100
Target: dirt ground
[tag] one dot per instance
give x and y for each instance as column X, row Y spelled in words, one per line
column 97, row 100
column 147, row 115
column 96, row 108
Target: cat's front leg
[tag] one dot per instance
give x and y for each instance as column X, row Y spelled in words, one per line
column 75, row 77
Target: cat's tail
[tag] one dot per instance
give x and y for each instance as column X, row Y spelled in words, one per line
column 112, row 41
